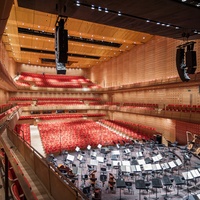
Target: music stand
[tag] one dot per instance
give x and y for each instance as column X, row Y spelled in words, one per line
column 140, row 184
column 179, row 181
column 120, row 183
column 86, row 190
column 156, row 183
column 166, row 182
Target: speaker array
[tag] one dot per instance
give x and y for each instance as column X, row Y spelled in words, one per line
column 61, row 47
column 186, row 62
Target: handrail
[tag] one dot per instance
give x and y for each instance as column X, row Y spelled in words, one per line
column 53, row 168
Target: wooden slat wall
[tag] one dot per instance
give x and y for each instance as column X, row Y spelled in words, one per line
column 154, row 60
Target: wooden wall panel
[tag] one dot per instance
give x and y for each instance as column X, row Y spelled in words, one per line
column 153, row 60
column 7, row 62
column 166, row 127
column 4, row 96
column 181, row 95
column 182, row 127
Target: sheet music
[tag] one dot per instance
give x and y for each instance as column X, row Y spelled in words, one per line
column 155, row 159
column 126, row 169
column 116, row 152
column 195, row 173
column 139, row 154
column 77, row 149
column 99, row 146
column 172, row 164
column 88, row 147
column 159, row 157
column 93, row 162
column 147, row 167
column 187, row 175
column 156, row 167
column 138, row 168
column 79, row 157
column 70, row 157
column 115, row 163
column 141, row 162
column 164, row 166
column 100, row 159
column 178, row 162
column 126, row 163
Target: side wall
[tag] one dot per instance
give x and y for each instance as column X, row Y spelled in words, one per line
column 154, row 60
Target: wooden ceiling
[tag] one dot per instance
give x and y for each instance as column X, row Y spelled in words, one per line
column 26, row 47
column 98, row 30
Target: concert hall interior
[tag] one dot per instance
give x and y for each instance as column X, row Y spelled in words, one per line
column 99, row 100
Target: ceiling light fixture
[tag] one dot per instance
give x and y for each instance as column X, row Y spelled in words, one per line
column 106, row 10
column 92, row 7
column 78, row 3
column 119, row 13
column 99, row 8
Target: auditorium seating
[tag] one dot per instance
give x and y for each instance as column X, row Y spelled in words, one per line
column 55, row 81
column 182, row 108
column 60, row 136
column 24, row 132
column 136, row 131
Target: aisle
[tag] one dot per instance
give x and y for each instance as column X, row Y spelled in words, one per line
column 36, row 142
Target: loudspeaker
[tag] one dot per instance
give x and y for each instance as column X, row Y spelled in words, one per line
column 181, row 68
column 61, row 44
column 191, row 61
column 60, row 68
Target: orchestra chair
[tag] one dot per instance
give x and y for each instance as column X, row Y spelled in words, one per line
column 129, row 188
column 97, row 194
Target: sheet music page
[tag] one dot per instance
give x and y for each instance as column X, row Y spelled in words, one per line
column 158, row 167
column 178, row 162
column 172, row 164
column 141, row 162
column 138, row 168
column 147, row 167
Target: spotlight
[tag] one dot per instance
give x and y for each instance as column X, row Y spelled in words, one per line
column 92, row 7
column 147, row 20
column 119, row 13
column 106, row 10
column 99, row 8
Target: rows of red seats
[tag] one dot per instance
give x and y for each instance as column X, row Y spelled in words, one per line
column 60, row 136
column 141, row 105
column 61, row 116
column 59, row 81
column 5, row 107
column 182, row 108
column 23, row 130
column 131, row 129
column 125, row 129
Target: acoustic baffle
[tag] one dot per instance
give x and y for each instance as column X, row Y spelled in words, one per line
column 180, row 65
